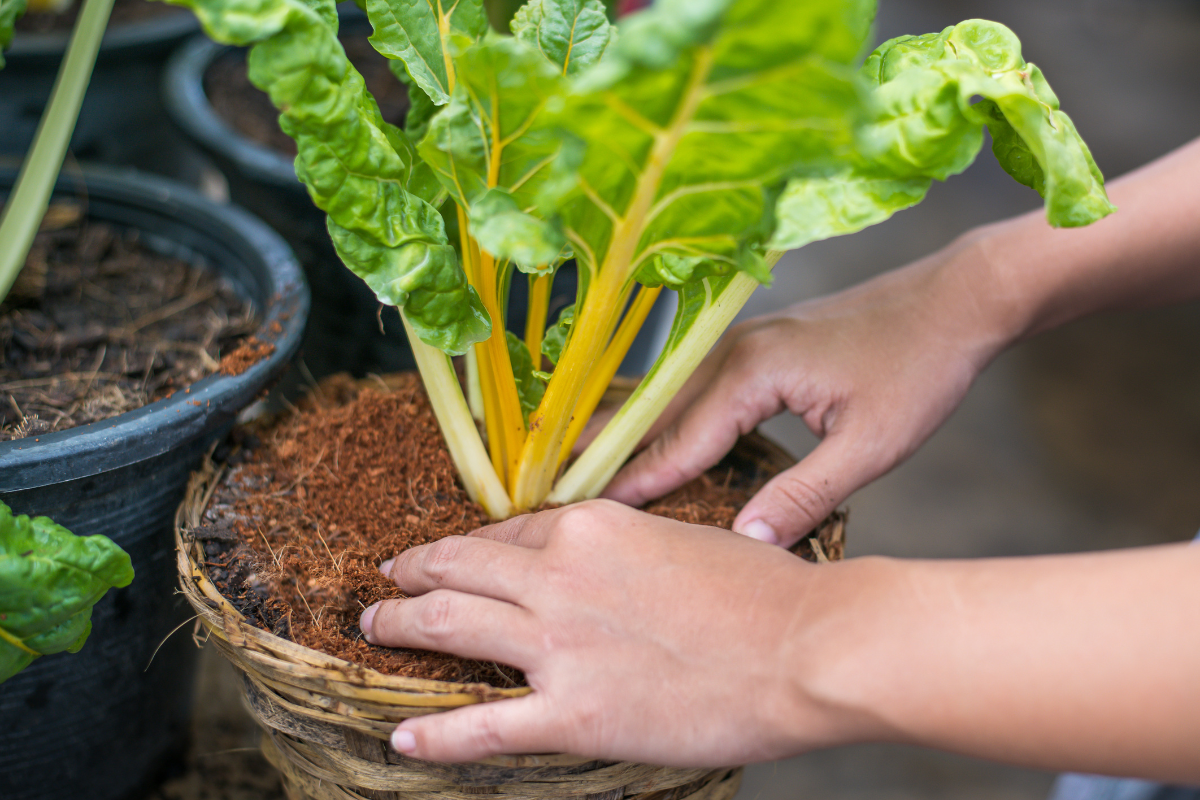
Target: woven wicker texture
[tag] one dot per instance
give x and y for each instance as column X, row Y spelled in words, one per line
column 326, row 722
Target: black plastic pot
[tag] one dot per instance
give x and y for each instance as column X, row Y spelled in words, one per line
column 106, row 723
column 122, row 120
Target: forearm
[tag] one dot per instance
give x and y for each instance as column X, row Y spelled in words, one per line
column 1030, row 277
column 1082, row 662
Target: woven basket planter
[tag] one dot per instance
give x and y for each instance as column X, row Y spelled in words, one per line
column 326, row 722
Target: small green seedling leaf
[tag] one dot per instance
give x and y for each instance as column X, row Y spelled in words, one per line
column 49, row 580
column 530, row 387
column 572, row 34
column 556, row 336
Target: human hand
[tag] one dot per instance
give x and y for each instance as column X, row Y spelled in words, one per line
column 873, row 371
column 617, row 618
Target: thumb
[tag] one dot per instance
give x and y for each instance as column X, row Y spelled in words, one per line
column 796, row 501
column 517, row 725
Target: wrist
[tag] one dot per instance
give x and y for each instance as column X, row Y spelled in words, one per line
column 836, row 652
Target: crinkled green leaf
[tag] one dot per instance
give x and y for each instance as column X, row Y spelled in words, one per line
column 420, row 108
column 812, row 209
column 574, row 34
column 555, row 338
column 697, row 117
column 530, row 387
column 10, row 12
column 49, row 580
column 363, row 172
column 419, row 32
column 492, row 134
column 931, row 96
column 507, row 232
column 424, row 278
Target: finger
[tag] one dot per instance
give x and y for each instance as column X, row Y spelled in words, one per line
column 731, row 407
column 480, row 731
column 465, row 564
column 465, row 625
column 796, row 501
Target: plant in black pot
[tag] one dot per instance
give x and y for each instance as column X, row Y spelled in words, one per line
column 108, row 404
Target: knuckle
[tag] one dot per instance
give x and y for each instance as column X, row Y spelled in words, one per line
column 441, row 556
column 435, row 615
column 803, row 495
column 486, row 733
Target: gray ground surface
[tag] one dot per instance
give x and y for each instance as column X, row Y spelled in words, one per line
column 1084, row 438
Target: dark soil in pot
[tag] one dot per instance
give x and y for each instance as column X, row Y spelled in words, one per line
column 122, row 120
column 98, row 324
column 313, row 502
column 108, row 722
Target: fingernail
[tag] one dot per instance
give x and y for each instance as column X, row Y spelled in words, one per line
column 403, row 741
column 757, row 529
column 365, row 621
column 386, row 567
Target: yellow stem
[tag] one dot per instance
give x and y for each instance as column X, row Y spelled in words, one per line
column 510, row 422
column 600, row 377
column 593, row 328
column 535, row 320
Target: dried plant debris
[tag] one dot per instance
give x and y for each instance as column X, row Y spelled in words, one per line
column 312, row 503
column 99, row 324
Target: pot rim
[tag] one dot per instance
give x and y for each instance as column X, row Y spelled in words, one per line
column 154, row 429
column 117, row 40
column 187, row 104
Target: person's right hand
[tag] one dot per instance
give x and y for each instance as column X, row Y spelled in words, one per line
column 873, row 371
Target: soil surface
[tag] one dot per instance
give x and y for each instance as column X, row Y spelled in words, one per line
column 124, row 12
column 248, row 109
column 98, row 324
column 313, row 504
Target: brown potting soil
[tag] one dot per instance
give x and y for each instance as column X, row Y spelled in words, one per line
column 248, row 109
column 124, row 12
column 315, row 501
column 97, row 324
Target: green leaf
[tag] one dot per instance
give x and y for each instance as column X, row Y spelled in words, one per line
column 420, row 108
column 10, row 12
column 530, row 387
column 49, row 581
column 507, row 232
column 363, row 172
column 573, row 34
column 424, row 278
column 931, row 96
column 555, row 338
column 812, row 209
column 419, row 32
column 700, row 113
column 493, row 133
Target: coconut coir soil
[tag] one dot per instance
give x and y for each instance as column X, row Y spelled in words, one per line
column 97, row 324
column 315, row 502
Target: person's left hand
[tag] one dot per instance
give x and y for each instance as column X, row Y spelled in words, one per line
column 643, row 638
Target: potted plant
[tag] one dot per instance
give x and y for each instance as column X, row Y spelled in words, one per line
column 105, row 722
column 686, row 152
column 209, row 98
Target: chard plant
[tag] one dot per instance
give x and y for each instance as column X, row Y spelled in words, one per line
column 685, row 149
column 49, row 581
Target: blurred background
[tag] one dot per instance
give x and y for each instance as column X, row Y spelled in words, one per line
column 1084, row 438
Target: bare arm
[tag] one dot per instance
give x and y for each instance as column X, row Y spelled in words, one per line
column 876, row 369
